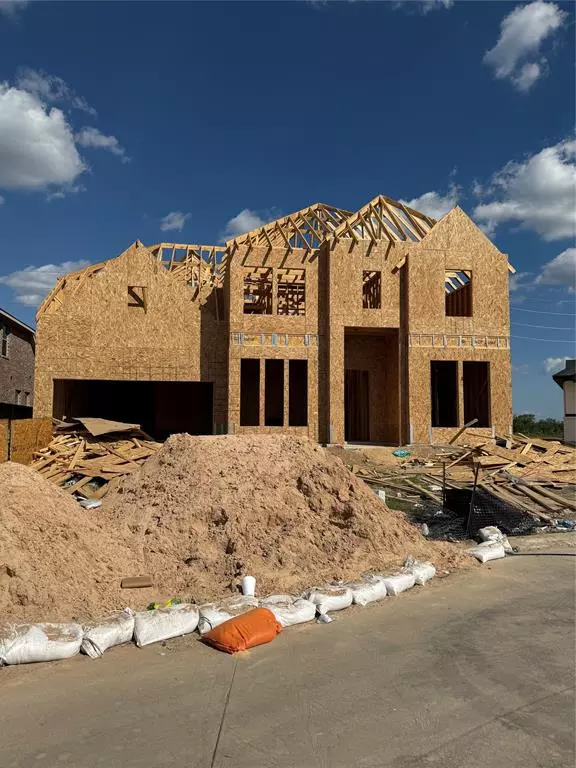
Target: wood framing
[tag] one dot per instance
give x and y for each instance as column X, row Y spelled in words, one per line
column 361, row 308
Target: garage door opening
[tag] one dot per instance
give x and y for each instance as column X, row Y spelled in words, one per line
column 160, row 407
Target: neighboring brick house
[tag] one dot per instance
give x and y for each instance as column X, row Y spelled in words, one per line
column 17, row 351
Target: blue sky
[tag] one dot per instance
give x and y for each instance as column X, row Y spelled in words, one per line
column 186, row 121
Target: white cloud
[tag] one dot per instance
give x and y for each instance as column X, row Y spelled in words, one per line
column 245, row 221
column 561, row 270
column 554, row 364
column 91, row 137
column 434, row 5
column 174, row 220
column 31, row 284
column 521, row 369
column 527, row 76
column 519, row 281
column 12, row 8
column 539, row 194
column 50, row 89
column 36, row 143
column 516, row 54
column 435, row 204
column 424, row 6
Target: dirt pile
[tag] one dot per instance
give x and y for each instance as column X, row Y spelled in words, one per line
column 204, row 511
column 56, row 559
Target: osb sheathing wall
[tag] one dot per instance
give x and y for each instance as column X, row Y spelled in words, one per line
column 94, row 334
column 455, row 243
column 257, row 330
column 347, row 260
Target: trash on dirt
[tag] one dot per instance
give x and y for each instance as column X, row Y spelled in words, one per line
column 90, row 503
column 136, row 582
column 248, row 585
column 168, row 604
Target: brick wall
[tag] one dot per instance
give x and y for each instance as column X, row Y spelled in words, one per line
column 17, row 369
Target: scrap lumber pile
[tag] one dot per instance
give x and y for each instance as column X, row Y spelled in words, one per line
column 91, row 465
column 536, row 477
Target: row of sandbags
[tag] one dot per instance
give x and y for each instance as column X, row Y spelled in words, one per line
column 25, row 643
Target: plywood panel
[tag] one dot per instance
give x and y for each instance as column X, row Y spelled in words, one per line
column 28, row 436
column 4, row 439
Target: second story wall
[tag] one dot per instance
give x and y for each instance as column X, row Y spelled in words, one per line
column 456, row 251
column 364, row 288
column 272, row 290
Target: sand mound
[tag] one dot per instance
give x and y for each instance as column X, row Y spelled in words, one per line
column 204, row 511
column 56, row 561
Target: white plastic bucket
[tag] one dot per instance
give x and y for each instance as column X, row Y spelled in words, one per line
column 248, row 586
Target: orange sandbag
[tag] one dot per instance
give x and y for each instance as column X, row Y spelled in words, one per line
column 255, row 627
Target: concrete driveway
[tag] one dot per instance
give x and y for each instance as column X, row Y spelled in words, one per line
column 472, row 671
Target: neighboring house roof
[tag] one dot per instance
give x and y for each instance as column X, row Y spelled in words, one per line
column 12, row 319
column 566, row 374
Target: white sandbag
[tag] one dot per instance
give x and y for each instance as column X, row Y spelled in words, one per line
column 422, row 572
column 488, row 550
column 214, row 614
column 493, row 533
column 115, row 629
column 163, row 623
column 329, row 597
column 367, row 590
column 289, row 610
column 399, row 582
column 26, row 643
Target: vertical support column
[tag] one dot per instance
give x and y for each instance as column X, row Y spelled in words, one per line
column 274, row 291
column 286, row 393
column 262, row 391
column 460, row 393
column 336, row 384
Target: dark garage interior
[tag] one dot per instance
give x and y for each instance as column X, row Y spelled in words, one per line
column 160, row 407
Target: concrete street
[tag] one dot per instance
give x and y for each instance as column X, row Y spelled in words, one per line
column 473, row 671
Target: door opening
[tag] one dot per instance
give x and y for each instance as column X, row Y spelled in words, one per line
column 356, row 405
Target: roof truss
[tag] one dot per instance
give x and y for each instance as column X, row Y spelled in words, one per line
column 384, row 218
column 307, row 229
column 196, row 265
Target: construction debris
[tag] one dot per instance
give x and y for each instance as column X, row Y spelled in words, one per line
column 511, row 479
column 88, row 462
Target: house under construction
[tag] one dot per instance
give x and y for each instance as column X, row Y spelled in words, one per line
column 381, row 325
